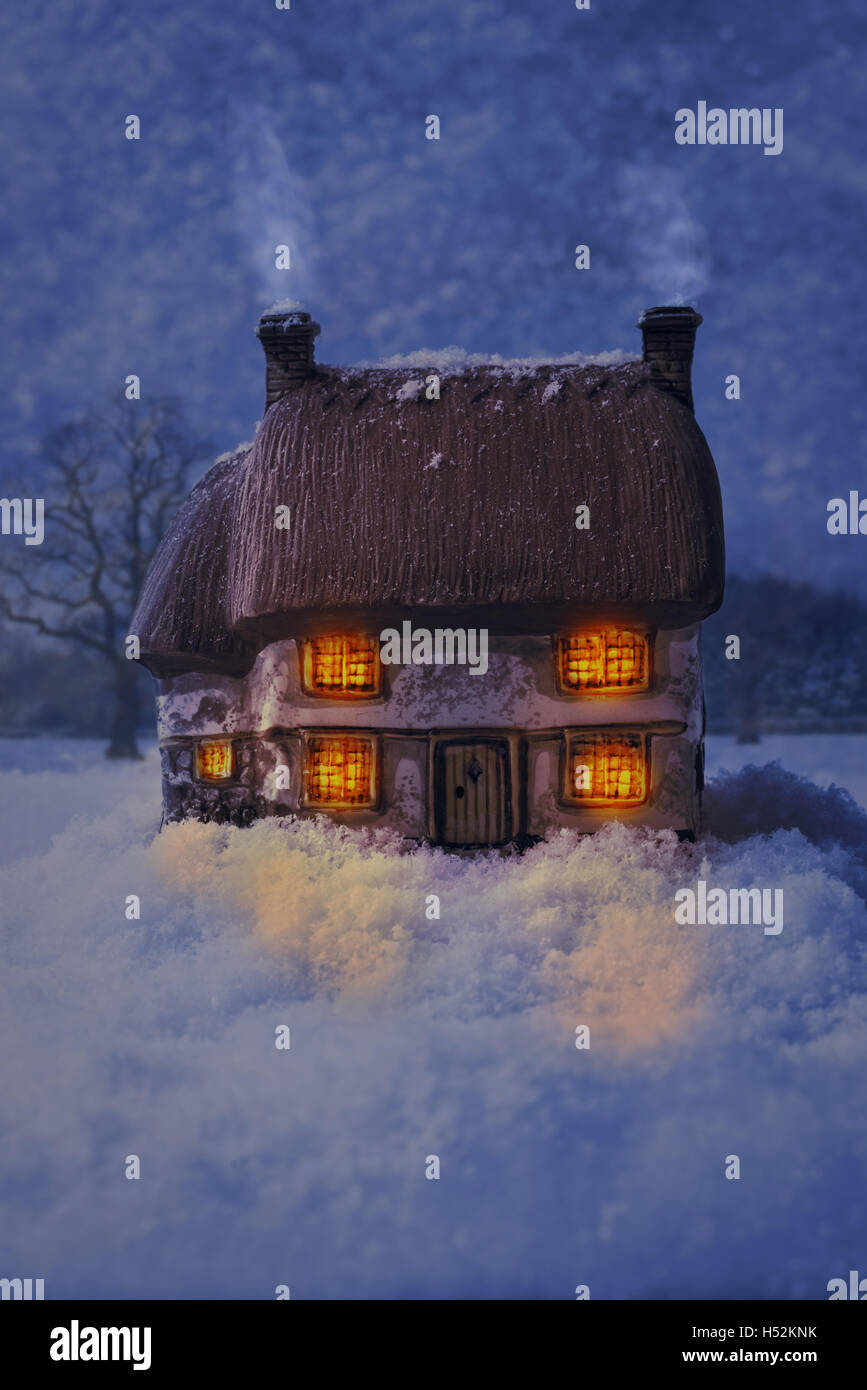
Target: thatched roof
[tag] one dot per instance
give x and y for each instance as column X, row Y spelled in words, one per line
column 457, row 508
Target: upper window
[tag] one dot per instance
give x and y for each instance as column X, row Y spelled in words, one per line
column 604, row 659
column 342, row 666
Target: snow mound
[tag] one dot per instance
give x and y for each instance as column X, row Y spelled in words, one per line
column 414, row 1035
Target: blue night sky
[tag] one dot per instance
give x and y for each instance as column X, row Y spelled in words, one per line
column 306, row 126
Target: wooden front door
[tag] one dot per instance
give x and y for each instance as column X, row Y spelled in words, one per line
column 472, row 792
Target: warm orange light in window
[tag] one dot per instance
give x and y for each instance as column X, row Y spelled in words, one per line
column 607, row 770
column 215, row 761
column 605, row 659
column 342, row 666
column 341, row 772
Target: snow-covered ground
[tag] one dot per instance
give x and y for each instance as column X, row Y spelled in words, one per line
column 412, row 1037
column 826, row 759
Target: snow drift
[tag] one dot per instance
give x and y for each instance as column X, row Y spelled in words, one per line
column 413, row 1036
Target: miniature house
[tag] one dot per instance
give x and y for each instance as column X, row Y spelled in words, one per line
column 568, row 516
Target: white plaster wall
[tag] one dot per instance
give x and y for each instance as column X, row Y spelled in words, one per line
column 517, row 691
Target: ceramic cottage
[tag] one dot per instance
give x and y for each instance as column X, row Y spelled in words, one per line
column 463, row 603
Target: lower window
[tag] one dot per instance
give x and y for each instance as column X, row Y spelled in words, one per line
column 606, row 769
column 341, row 771
column 215, row 761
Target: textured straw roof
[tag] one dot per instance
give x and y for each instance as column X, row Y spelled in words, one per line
column 462, row 507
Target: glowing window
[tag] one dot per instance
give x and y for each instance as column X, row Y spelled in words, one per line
column 606, row 769
column 605, row 659
column 215, row 761
column 341, row 772
column 342, row 666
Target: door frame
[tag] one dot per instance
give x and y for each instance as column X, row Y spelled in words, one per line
column 515, row 784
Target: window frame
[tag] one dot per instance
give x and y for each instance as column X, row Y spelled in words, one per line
column 311, row 736
column 615, row 733
column 305, row 660
column 608, row 692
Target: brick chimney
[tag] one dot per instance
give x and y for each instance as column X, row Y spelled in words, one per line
column 287, row 338
column 668, row 332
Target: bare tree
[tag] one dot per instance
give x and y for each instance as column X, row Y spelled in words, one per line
column 112, row 481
